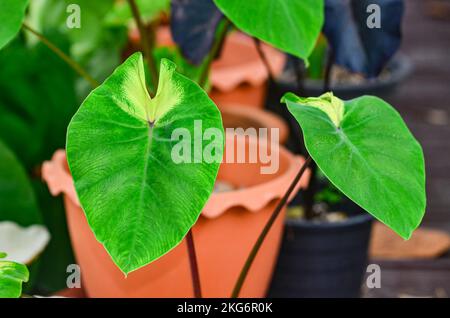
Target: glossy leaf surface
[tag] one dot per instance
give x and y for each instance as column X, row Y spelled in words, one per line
column 139, row 201
column 369, row 154
column 289, row 25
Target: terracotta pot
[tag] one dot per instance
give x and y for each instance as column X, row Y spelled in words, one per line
column 241, row 116
column 224, row 235
column 239, row 75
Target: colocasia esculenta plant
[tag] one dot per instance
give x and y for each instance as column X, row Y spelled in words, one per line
column 140, row 203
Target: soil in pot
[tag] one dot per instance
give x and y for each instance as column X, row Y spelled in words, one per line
column 224, row 235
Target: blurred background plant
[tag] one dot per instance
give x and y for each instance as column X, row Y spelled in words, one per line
column 39, row 94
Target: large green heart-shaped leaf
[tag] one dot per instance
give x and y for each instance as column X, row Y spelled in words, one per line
column 290, row 25
column 12, row 275
column 12, row 13
column 138, row 201
column 366, row 150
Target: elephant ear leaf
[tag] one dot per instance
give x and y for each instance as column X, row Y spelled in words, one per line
column 364, row 34
column 291, row 26
column 12, row 13
column 194, row 24
column 368, row 153
column 139, row 198
column 12, row 275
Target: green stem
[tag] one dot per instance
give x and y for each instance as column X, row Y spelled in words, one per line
column 74, row 65
column 213, row 53
column 267, row 227
column 145, row 43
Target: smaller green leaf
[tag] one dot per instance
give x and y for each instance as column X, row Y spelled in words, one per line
column 12, row 13
column 3, row 254
column 12, row 275
column 368, row 153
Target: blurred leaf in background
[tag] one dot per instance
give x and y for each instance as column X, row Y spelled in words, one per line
column 358, row 47
column 193, row 25
column 17, row 199
column 291, row 26
column 96, row 45
column 149, row 10
column 12, row 14
column 37, row 101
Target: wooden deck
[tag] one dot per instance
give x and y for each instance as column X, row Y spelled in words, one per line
column 424, row 101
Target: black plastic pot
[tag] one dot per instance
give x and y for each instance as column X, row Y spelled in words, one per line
column 322, row 260
column 399, row 68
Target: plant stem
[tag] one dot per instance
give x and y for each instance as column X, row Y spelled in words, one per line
column 145, row 43
column 328, row 67
column 194, row 265
column 266, row 229
column 310, row 192
column 264, row 59
column 74, row 65
column 220, row 37
column 273, row 84
column 299, row 76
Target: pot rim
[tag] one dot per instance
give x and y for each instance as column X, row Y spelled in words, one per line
column 55, row 173
column 229, row 77
column 365, row 217
column 400, row 65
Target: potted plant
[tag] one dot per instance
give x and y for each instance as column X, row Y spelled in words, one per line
column 350, row 44
column 329, row 274
column 166, row 72
column 142, row 189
